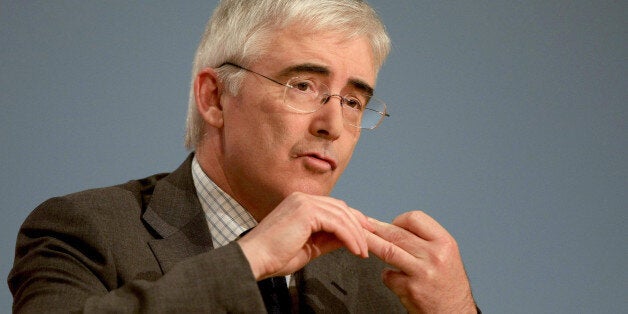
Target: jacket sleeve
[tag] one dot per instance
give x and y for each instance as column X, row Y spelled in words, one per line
column 65, row 262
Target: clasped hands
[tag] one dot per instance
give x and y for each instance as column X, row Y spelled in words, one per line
column 427, row 272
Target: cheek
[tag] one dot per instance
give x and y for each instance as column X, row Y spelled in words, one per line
column 274, row 132
column 257, row 137
column 347, row 151
column 347, row 145
column 261, row 122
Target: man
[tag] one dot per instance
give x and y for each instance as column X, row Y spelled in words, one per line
column 280, row 92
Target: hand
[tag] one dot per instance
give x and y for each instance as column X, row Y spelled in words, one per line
column 429, row 275
column 300, row 229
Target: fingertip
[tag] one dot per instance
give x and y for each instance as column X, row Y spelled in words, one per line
column 361, row 253
column 356, row 248
column 364, row 248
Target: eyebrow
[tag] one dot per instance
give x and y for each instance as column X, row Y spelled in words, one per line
column 312, row 68
column 304, row 68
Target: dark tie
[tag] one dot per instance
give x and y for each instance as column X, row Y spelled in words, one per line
column 275, row 294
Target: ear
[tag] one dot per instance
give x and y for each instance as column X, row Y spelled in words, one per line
column 207, row 91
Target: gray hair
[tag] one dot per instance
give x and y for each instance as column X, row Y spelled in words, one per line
column 240, row 31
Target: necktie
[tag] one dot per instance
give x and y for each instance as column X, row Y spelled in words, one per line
column 275, row 294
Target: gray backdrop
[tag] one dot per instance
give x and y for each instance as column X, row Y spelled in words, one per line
column 508, row 125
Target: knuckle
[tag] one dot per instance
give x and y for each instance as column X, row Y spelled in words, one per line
column 414, row 291
column 439, row 259
column 396, row 237
column 416, row 215
column 343, row 204
column 298, row 195
column 300, row 199
column 389, row 252
column 429, row 273
column 448, row 245
column 445, row 253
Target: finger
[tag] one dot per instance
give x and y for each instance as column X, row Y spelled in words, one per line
column 395, row 280
column 357, row 219
column 421, row 225
column 401, row 237
column 319, row 244
column 391, row 254
column 341, row 225
column 364, row 226
column 360, row 220
column 364, row 220
column 398, row 282
column 322, row 243
column 322, row 213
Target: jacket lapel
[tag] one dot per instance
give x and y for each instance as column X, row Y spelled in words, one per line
column 175, row 214
column 327, row 284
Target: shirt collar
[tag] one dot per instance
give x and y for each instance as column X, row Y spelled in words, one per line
column 226, row 218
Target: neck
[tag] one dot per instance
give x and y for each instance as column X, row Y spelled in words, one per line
column 211, row 163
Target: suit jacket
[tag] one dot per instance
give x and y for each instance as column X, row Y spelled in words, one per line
column 145, row 246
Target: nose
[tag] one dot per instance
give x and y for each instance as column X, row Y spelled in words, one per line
column 328, row 99
column 327, row 122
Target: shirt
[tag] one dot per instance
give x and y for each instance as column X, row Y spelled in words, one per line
column 226, row 218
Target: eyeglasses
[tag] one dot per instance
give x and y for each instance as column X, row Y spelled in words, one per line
column 307, row 95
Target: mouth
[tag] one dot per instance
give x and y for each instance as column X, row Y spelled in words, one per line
column 319, row 161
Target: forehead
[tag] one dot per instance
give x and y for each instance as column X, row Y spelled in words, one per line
column 329, row 54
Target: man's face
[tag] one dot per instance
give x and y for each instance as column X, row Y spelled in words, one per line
column 271, row 151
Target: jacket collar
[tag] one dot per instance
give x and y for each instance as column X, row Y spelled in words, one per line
column 175, row 214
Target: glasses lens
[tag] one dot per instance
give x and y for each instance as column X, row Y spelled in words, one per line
column 373, row 114
column 302, row 94
column 307, row 96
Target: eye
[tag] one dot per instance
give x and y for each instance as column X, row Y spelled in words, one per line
column 302, row 85
column 353, row 103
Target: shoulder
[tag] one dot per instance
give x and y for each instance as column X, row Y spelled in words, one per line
column 95, row 216
column 106, row 201
column 105, row 209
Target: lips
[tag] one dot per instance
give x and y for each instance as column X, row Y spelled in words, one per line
column 317, row 156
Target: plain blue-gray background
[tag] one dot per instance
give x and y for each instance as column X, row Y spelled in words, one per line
column 508, row 125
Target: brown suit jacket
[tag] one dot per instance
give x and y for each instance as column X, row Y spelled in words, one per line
column 145, row 246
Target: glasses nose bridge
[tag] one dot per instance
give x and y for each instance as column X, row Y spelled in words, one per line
column 328, row 97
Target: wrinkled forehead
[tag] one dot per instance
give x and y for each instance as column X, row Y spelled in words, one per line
column 323, row 53
column 266, row 40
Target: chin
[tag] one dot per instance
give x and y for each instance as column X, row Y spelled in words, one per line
column 309, row 187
